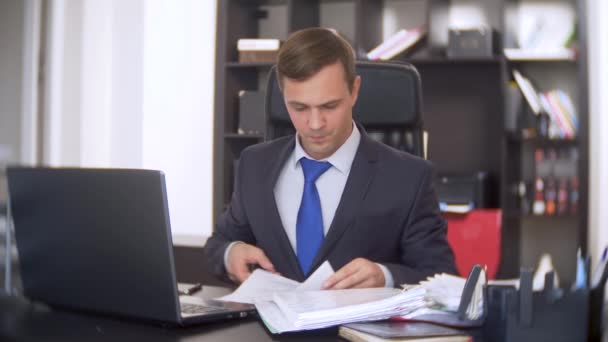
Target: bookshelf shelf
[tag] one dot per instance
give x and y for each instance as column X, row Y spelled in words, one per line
column 237, row 65
column 550, row 217
column 557, row 61
column 567, row 56
column 519, row 138
column 453, row 61
column 243, row 136
column 517, row 215
column 415, row 61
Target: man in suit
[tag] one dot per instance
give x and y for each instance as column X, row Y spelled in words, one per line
column 329, row 192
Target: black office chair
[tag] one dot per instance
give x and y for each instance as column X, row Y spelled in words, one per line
column 388, row 107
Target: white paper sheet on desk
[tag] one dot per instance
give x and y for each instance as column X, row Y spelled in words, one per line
column 262, row 285
column 273, row 318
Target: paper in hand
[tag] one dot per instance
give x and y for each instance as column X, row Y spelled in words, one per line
column 262, row 285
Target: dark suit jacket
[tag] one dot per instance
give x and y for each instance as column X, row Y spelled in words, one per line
column 388, row 214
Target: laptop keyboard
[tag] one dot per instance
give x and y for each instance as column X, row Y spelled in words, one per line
column 199, row 309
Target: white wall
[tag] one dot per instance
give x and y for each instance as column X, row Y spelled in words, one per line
column 11, row 33
column 598, row 126
column 93, row 84
column 112, row 83
column 130, row 84
column 179, row 62
column 62, row 91
column 30, row 84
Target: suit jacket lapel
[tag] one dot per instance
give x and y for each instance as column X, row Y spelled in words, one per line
column 276, row 228
column 361, row 175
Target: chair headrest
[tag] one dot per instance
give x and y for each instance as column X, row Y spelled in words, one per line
column 390, row 94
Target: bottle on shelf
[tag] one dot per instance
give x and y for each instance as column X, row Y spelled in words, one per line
column 574, row 185
column 523, row 197
column 551, row 185
column 538, row 207
column 562, row 196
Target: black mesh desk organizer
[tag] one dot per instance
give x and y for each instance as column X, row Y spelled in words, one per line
column 568, row 315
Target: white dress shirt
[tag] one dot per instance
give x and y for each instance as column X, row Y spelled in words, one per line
column 289, row 188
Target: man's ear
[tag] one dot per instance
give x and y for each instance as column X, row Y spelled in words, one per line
column 355, row 90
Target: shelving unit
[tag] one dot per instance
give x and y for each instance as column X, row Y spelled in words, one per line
column 464, row 107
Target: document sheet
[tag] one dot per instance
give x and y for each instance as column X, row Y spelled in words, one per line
column 262, row 285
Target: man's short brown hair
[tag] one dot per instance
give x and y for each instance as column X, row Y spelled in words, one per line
column 309, row 50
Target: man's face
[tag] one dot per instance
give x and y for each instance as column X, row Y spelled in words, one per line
column 321, row 109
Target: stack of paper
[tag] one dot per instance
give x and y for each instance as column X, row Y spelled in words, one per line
column 294, row 311
column 286, row 305
column 446, row 290
column 453, row 301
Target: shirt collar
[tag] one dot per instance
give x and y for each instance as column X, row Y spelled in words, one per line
column 342, row 159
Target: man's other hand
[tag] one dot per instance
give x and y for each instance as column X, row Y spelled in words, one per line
column 240, row 259
column 359, row 273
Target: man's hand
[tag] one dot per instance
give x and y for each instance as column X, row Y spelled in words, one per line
column 359, row 273
column 241, row 256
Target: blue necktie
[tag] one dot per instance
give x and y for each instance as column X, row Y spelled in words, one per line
column 309, row 227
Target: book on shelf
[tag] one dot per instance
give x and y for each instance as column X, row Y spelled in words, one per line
column 400, row 42
column 401, row 331
column 559, row 106
column 528, row 90
column 556, row 104
column 513, row 104
column 285, row 306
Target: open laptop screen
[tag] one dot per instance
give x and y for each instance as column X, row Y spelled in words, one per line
column 95, row 239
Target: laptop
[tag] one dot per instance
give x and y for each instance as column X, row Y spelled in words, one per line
column 99, row 240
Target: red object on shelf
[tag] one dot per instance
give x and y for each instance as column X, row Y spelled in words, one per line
column 475, row 239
